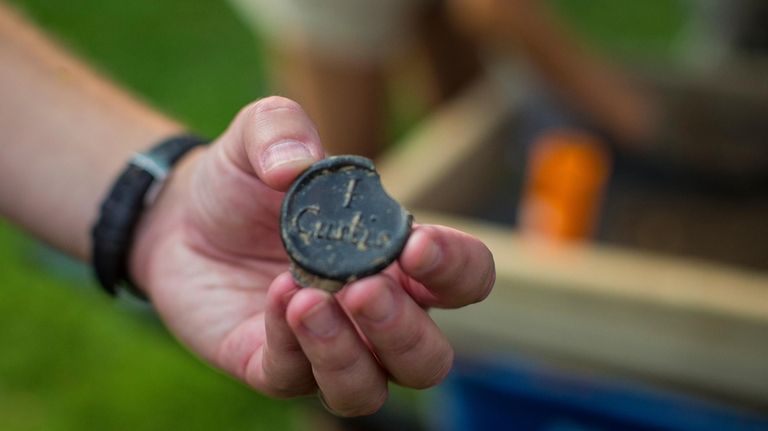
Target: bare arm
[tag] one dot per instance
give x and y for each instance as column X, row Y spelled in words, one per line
column 66, row 133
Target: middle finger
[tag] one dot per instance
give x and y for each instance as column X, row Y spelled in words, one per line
column 350, row 378
column 406, row 340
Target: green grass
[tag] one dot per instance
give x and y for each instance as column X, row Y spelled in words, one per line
column 72, row 359
column 192, row 59
column 632, row 29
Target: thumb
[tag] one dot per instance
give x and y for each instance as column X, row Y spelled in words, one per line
column 275, row 140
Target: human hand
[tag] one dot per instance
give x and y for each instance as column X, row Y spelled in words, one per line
column 209, row 256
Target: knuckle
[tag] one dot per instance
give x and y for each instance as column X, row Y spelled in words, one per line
column 474, row 288
column 338, row 364
column 434, row 375
column 282, row 386
column 407, row 342
column 284, row 378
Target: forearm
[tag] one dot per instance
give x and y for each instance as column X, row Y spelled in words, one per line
column 66, row 135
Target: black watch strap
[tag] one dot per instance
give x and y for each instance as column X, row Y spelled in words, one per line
column 112, row 235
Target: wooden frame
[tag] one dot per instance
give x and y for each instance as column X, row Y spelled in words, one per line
column 696, row 325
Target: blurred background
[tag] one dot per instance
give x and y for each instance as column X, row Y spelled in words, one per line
column 613, row 154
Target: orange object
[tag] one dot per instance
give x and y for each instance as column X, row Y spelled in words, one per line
column 567, row 174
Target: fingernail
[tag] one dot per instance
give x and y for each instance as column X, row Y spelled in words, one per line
column 431, row 256
column 283, row 153
column 321, row 321
column 381, row 307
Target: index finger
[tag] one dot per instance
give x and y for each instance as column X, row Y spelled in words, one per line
column 451, row 268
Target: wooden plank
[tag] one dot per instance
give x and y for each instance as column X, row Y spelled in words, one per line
column 451, row 140
column 693, row 323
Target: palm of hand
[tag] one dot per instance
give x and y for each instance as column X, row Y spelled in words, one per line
column 220, row 253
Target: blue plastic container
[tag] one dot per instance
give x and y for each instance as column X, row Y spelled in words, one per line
column 516, row 395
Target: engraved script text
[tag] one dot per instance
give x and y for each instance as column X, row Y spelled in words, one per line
column 312, row 227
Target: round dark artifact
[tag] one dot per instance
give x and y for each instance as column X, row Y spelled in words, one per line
column 338, row 224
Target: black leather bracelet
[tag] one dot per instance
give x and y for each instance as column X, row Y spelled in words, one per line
column 112, row 235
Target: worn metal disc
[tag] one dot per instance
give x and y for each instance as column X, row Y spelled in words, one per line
column 338, row 224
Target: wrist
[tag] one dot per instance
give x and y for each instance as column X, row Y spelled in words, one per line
column 124, row 206
column 161, row 221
